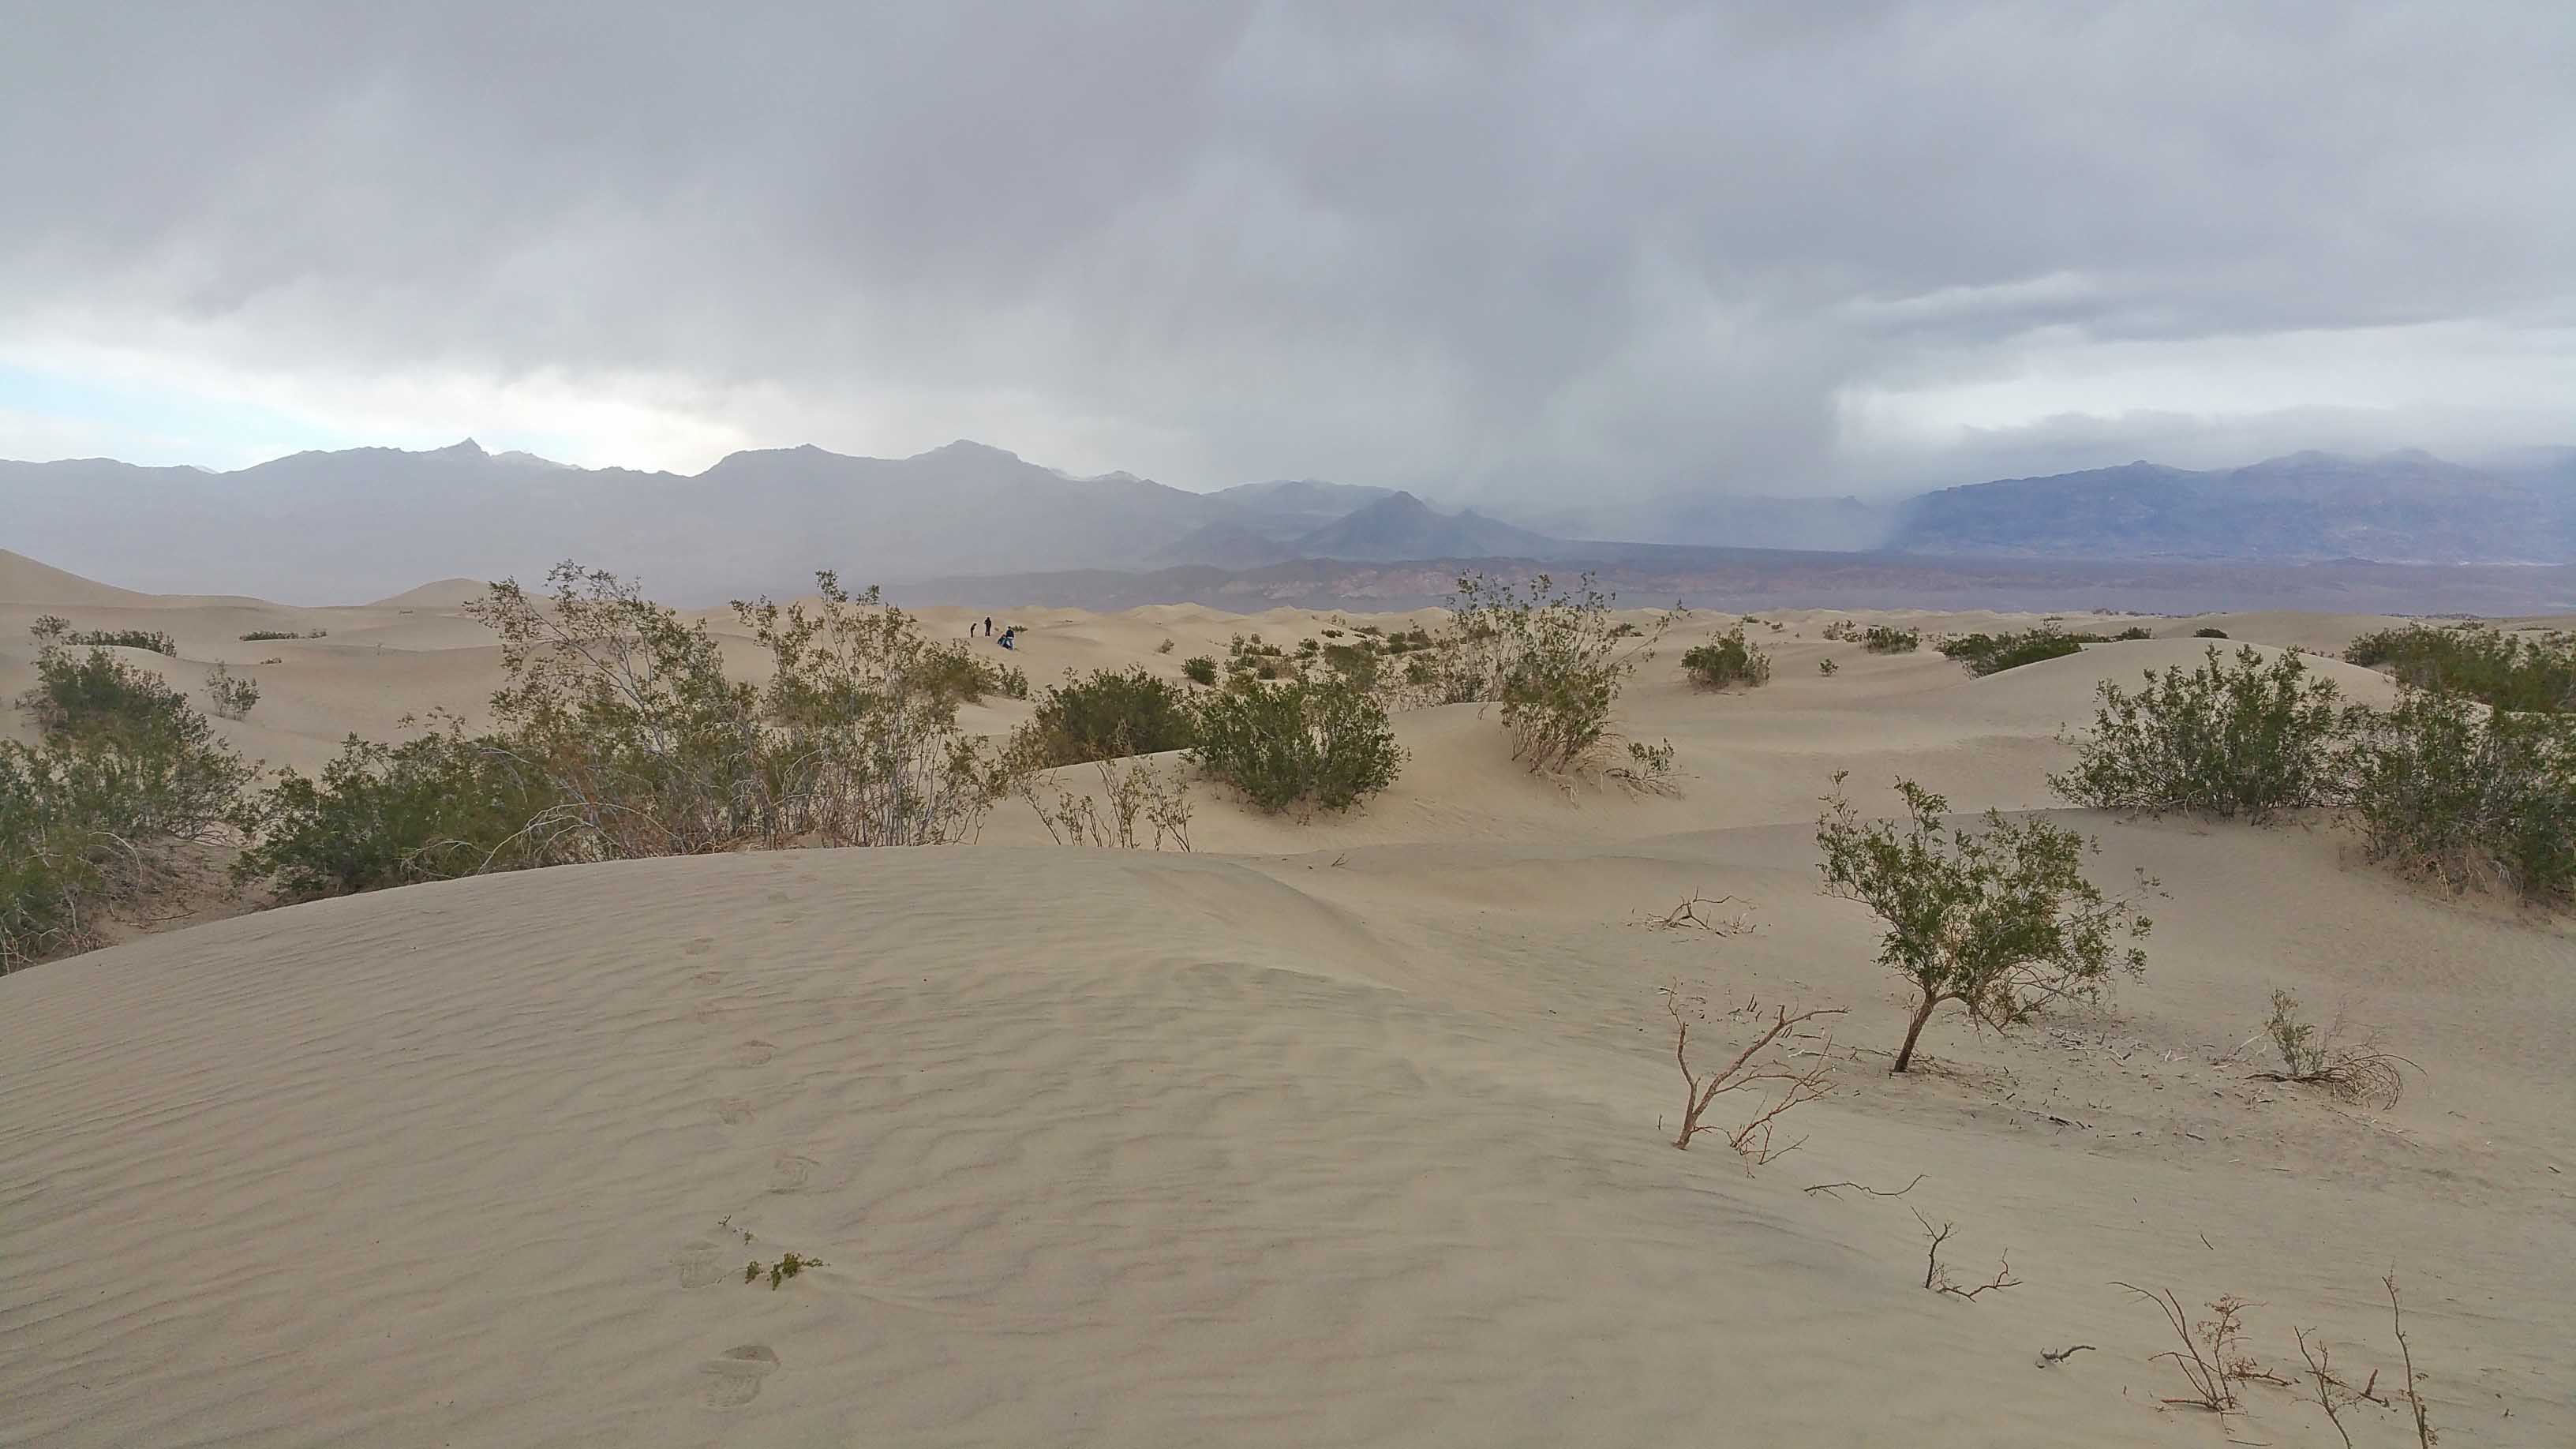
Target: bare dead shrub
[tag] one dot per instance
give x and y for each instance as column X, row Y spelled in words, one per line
column 2334, row 1394
column 1146, row 807
column 2424, row 1435
column 1794, row 1086
column 1937, row 1277
column 2212, row 1358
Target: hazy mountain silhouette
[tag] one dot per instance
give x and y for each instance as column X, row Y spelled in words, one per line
column 2406, row 507
column 1404, row 527
column 336, row 526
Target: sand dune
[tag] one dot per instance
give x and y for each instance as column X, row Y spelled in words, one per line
column 1339, row 1132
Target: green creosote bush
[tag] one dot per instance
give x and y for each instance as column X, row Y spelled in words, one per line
column 234, row 696
column 1199, row 669
column 2132, row 634
column 256, row 635
column 434, row 807
column 1553, row 658
column 97, row 817
column 1888, row 639
column 1729, row 660
column 1828, row 668
column 2444, row 788
column 2001, row 920
column 629, row 736
column 2516, row 671
column 1320, row 745
column 1165, row 647
column 1110, row 714
column 150, row 639
column 1985, row 654
column 2209, row 633
column 2233, row 737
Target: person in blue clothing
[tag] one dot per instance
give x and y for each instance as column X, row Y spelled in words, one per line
column 1007, row 636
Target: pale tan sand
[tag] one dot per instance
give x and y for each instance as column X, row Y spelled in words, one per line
column 1333, row 1133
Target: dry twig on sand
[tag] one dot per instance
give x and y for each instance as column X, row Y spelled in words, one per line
column 1937, row 1278
column 1700, row 912
column 1828, row 1188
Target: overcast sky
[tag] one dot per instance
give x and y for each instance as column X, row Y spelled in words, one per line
column 1478, row 248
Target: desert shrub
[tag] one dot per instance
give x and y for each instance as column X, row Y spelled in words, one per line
column 256, row 635
column 1111, row 714
column 1985, row 654
column 1553, row 658
column 1828, row 668
column 2508, row 671
column 1199, row 669
column 151, row 639
column 955, row 673
column 2328, row 1057
column 1165, row 647
column 432, row 808
column 2229, row 738
column 1888, row 639
column 1729, row 659
column 2002, row 921
column 1356, row 665
column 233, row 695
column 97, row 818
column 2209, row 633
column 2132, row 634
column 621, row 719
column 96, row 694
column 1842, row 631
column 1133, row 791
column 2444, row 788
column 1326, row 745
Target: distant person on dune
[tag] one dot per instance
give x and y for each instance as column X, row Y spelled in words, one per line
column 988, row 626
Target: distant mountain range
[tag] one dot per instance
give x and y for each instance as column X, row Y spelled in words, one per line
column 360, row 523
column 2407, row 507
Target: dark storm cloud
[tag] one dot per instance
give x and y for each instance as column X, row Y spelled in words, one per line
column 1523, row 247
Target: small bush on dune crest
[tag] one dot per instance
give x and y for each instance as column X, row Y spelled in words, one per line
column 1553, row 658
column 1887, row 639
column 1110, row 714
column 234, row 695
column 2508, row 671
column 2209, row 633
column 1199, row 669
column 1728, row 660
column 1985, row 654
column 2002, row 921
column 2229, row 738
column 148, row 639
column 1324, row 745
column 622, row 719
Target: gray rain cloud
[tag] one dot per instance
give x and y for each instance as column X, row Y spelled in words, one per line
column 1529, row 253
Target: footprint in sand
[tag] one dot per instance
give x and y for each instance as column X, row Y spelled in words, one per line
column 734, row 1380
column 708, row 978
column 699, row 947
column 698, row 1263
column 791, row 1173
column 752, row 1053
column 734, row 1111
